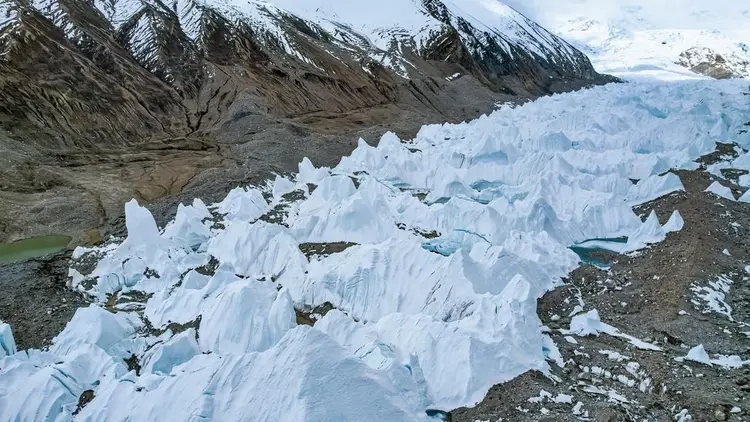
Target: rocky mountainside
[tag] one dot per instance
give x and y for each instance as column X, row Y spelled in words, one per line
column 92, row 89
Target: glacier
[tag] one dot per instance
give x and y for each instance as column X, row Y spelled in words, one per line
column 449, row 238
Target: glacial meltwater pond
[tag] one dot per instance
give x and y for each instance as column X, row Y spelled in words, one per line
column 32, row 247
column 587, row 250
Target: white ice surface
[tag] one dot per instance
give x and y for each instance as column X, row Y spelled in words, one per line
column 590, row 324
column 675, row 222
column 720, row 190
column 699, row 354
column 654, row 187
column 711, row 297
column 7, row 343
column 421, row 323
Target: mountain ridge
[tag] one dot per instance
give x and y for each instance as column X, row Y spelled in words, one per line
column 183, row 46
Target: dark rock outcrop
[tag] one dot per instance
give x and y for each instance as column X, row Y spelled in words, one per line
column 706, row 61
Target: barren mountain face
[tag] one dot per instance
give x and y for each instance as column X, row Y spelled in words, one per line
column 102, row 101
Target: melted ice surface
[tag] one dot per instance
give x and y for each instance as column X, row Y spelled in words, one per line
column 412, row 329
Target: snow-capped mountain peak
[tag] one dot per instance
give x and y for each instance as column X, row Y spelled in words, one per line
column 674, row 38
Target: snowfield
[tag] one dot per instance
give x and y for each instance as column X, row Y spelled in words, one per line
column 636, row 39
column 452, row 237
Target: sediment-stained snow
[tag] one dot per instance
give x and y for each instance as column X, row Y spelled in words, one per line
column 450, row 239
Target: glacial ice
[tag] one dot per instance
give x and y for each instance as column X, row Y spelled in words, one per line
column 589, row 324
column 720, row 190
column 654, row 187
column 699, row 354
column 7, row 343
column 675, row 222
column 500, row 199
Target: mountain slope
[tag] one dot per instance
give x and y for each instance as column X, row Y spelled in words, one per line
column 186, row 44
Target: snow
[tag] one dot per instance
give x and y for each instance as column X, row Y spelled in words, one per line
column 10, row 26
column 614, row 355
column 547, row 396
column 612, row 395
column 291, row 381
column 563, row 398
column 643, row 39
column 243, row 204
column 140, row 224
column 383, row 31
column 540, row 398
column 98, row 327
column 698, row 354
column 507, row 194
column 408, row 21
column 683, row 416
column 712, row 296
column 174, row 352
column 578, row 409
column 188, row 227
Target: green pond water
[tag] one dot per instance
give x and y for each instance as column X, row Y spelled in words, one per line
column 32, row 247
column 586, row 253
column 587, row 257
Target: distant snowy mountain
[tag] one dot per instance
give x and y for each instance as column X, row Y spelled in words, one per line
column 625, row 37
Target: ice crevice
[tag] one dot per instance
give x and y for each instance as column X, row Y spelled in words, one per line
column 505, row 195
